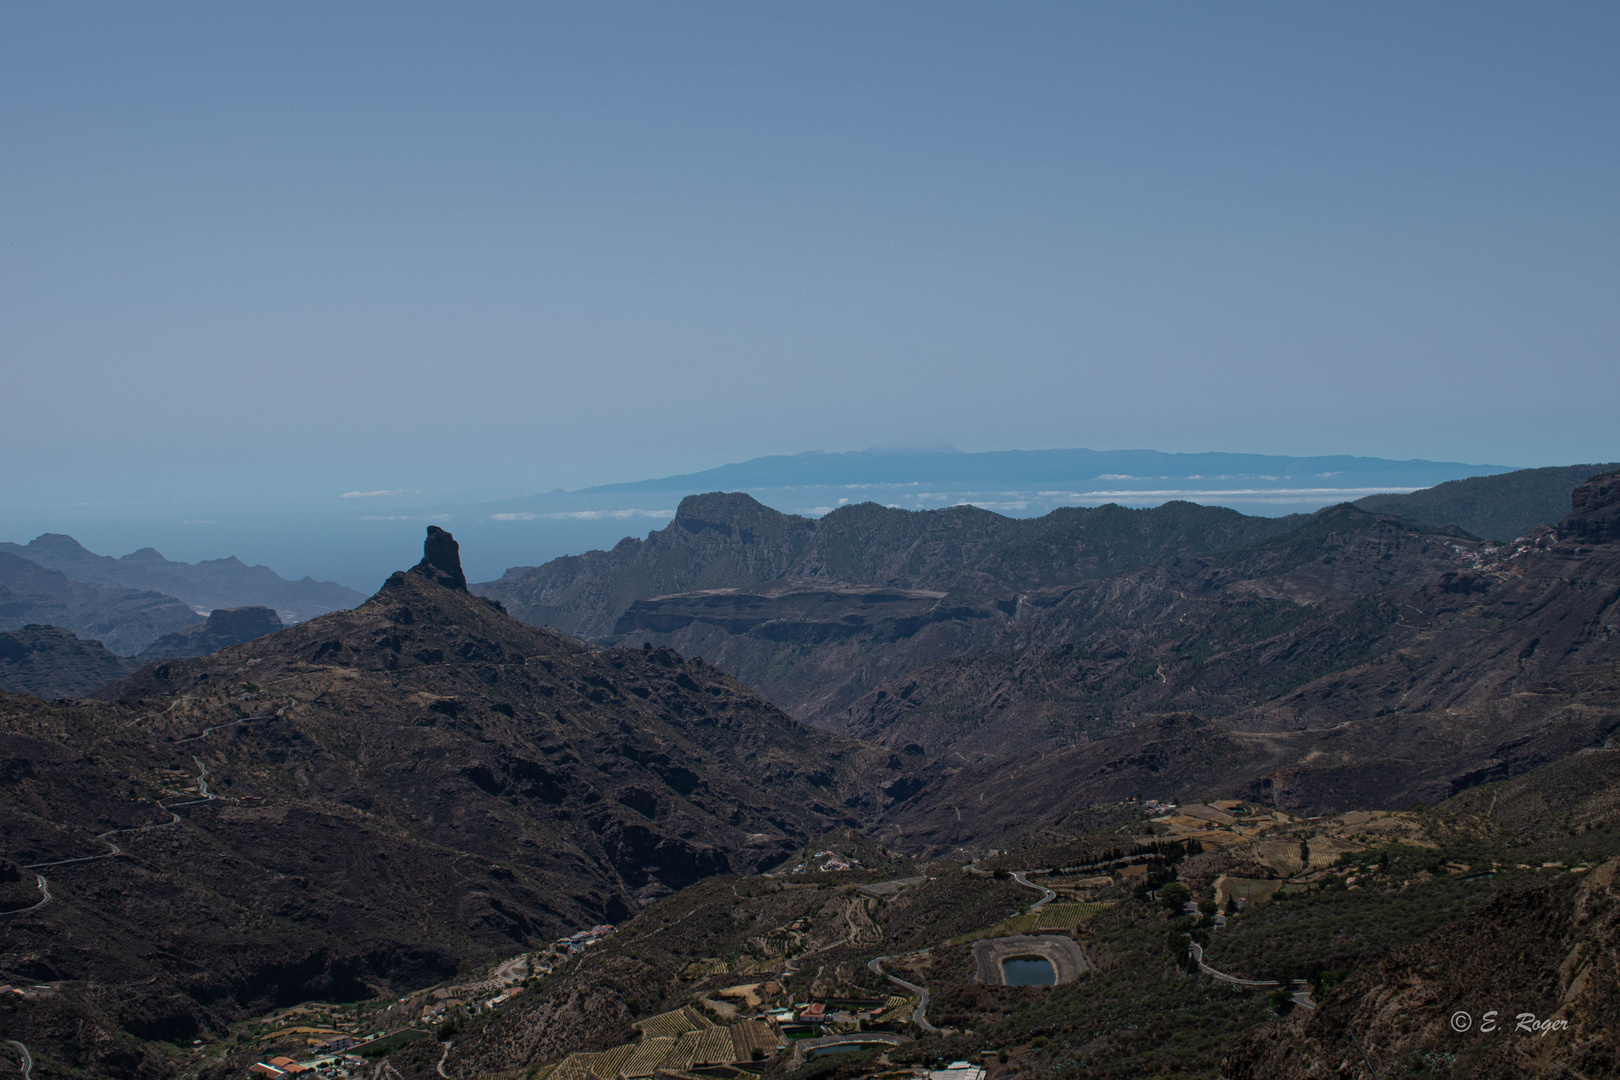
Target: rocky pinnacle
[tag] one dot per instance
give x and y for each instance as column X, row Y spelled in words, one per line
column 441, row 559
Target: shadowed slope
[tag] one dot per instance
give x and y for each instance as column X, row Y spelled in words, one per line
column 371, row 798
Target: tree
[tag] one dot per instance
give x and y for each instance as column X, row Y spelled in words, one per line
column 1174, row 897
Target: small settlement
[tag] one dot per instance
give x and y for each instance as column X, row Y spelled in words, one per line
column 686, row 1041
column 333, row 1055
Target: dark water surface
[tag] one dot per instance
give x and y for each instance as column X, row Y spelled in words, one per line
column 1028, row 971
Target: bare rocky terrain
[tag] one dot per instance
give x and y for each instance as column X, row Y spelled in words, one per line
column 1479, row 672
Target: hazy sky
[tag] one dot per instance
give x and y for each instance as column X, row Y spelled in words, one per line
column 311, row 246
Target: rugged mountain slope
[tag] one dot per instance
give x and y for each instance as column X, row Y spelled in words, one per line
column 1431, row 687
column 1544, row 953
column 1215, row 634
column 369, row 799
column 721, row 541
column 1501, row 507
column 50, row 662
column 125, row 620
column 1577, row 793
column 815, row 613
column 213, row 583
column 223, row 627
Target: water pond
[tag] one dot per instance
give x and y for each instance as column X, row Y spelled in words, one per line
column 846, row 1048
column 1028, row 971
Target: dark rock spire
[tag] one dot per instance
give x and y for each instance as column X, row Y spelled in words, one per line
column 441, row 560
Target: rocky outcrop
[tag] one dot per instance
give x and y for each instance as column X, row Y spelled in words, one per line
column 441, row 560
column 49, row 662
column 1594, row 513
column 222, row 628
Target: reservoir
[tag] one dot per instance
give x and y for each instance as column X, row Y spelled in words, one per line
column 845, row 1048
column 1028, row 971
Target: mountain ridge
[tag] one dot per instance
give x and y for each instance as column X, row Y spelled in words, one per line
column 206, row 585
column 126, row 620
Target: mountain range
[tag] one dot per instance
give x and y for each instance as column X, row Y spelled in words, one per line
column 126, row 620
column 379, row 800
column 206, row 585
column 140, row 605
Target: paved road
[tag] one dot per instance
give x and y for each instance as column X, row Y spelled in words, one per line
column 174, row 819
column 1198, row 957
column 44, row 898
column 920, row 1014
column 27, row 1062
column 1047, row 895
column 202, row 778
column 232, row 723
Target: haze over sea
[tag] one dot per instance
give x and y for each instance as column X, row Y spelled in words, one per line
column 355, row 536
column 288, row 281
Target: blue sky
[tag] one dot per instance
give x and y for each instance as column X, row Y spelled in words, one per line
column 298, row 249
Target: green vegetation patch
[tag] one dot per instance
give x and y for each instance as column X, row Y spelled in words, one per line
column 1051, row 917
column 387, row 1045
column 1300, row 935
column 1137, row 1013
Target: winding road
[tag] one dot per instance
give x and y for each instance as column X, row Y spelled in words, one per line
column 27, row 1062
column 1197, row 951
column 920, row 1015
column 174, row 819
column 232, row 723
column 44, row 898
column 1047, row 895
column 113, row 848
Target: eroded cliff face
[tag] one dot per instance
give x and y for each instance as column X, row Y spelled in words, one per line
column 728, row 541
column 1528, row 988
column 1594, row 516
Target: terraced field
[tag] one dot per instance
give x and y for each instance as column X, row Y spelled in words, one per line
column 671, row 1041
column 675, row 1023
column 1051, row 917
